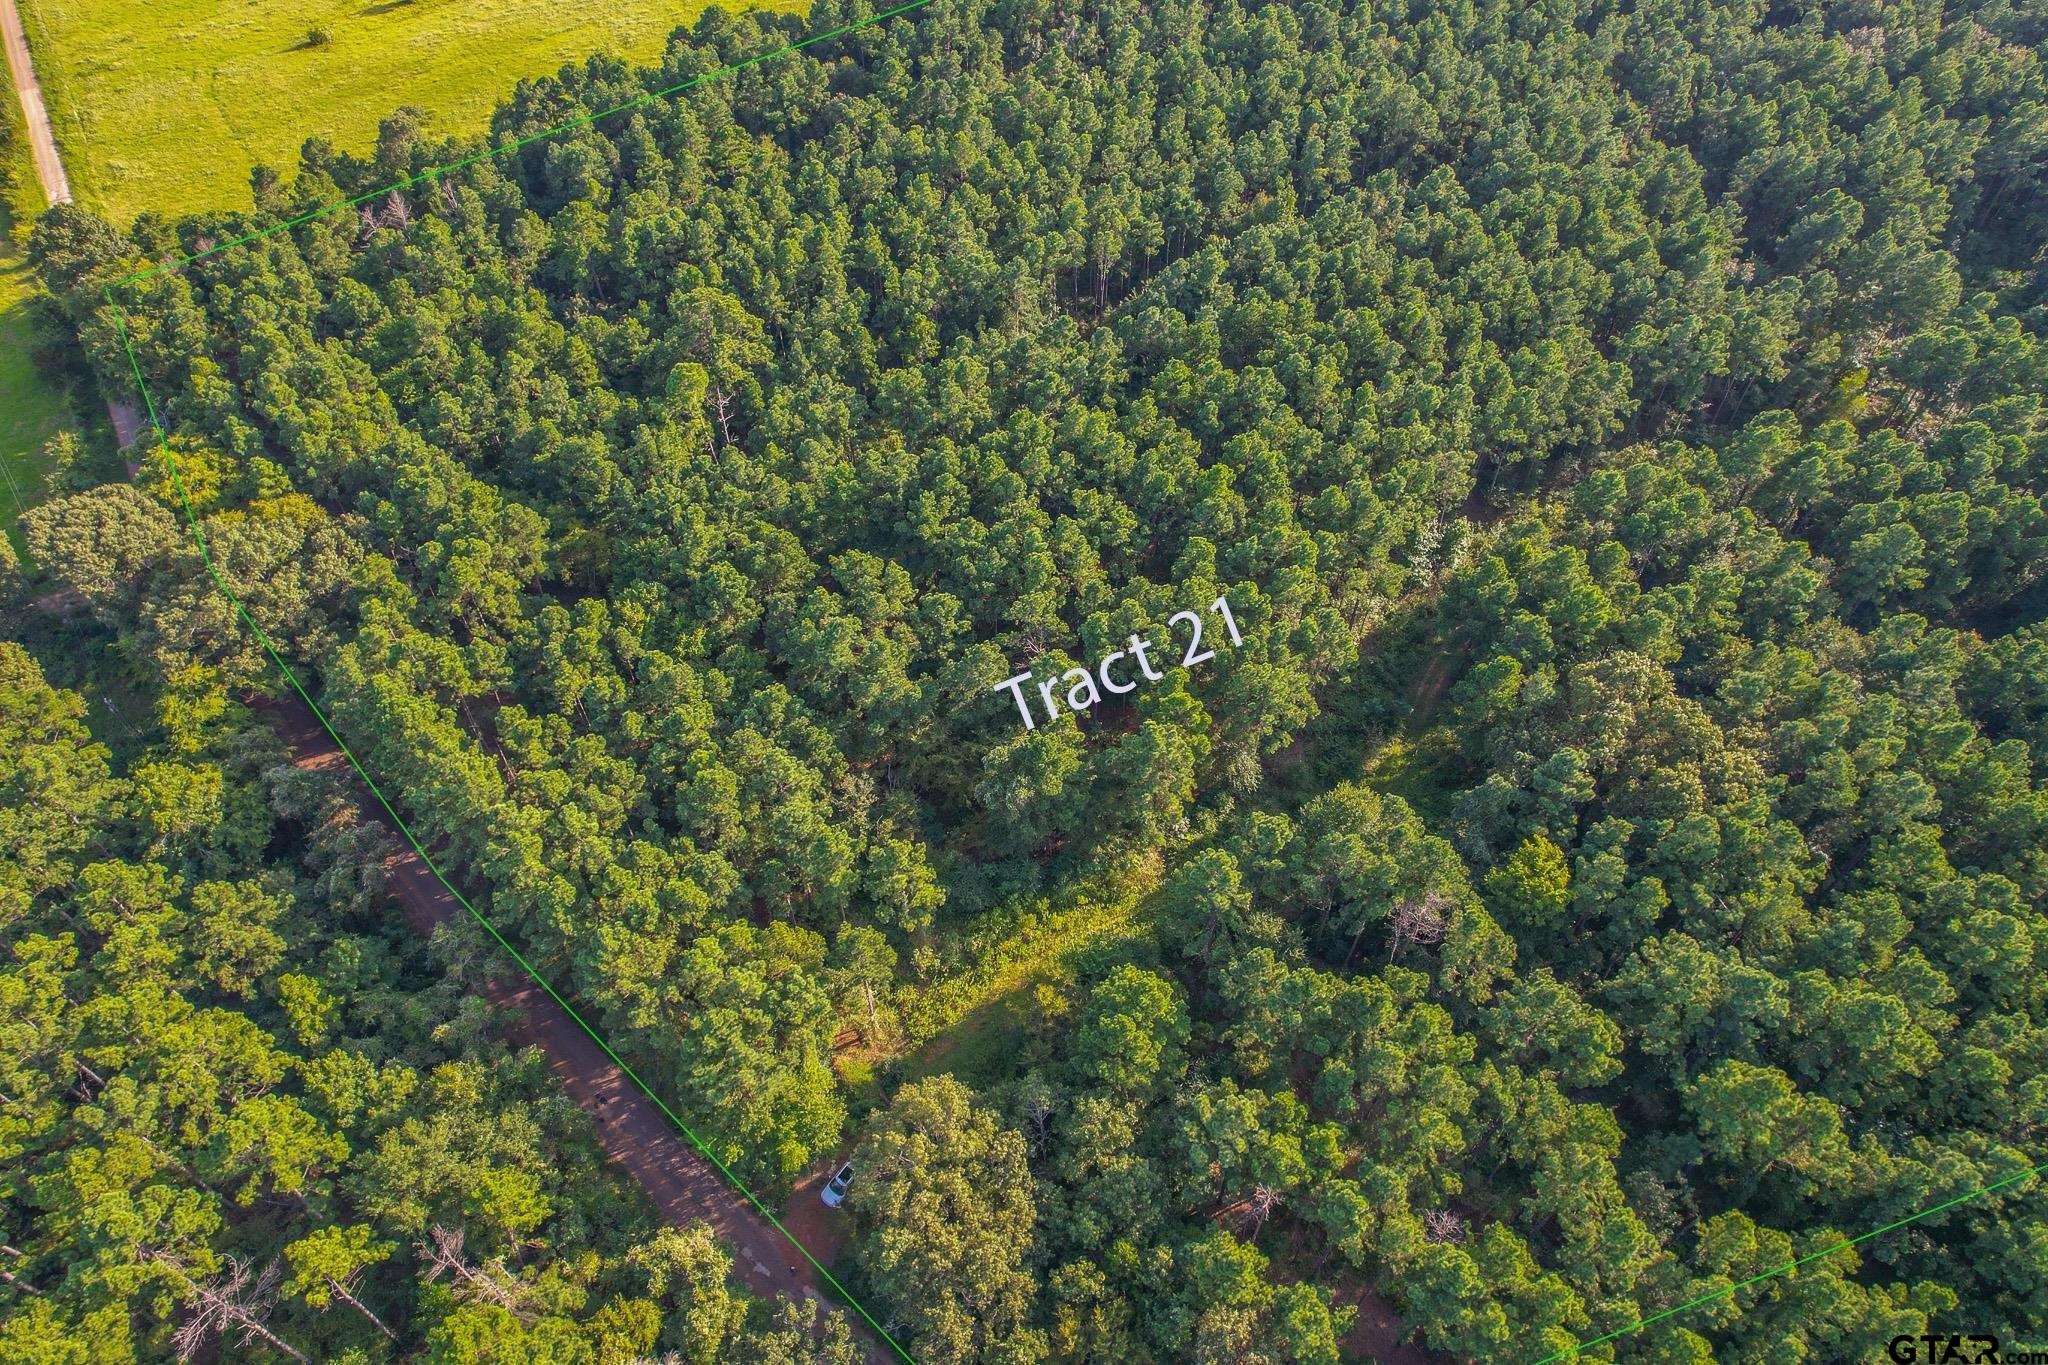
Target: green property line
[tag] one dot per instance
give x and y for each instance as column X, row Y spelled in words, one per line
column 1793, row 1265
column 398, row 821
column 242, row 612
column 213, row 572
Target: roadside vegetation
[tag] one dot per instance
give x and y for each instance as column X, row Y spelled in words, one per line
column 34, row 409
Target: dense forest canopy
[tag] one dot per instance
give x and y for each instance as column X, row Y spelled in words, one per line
column 1611, row 866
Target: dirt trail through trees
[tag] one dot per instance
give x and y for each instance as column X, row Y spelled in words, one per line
column 634, row 1132
column 49, row 166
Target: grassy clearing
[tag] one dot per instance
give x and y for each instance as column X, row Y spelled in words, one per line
column 1418, row 768
column 31, row 409
column 968, row 1024
column 167, row 105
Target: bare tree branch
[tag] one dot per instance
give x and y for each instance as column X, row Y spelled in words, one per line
column 233, row 1301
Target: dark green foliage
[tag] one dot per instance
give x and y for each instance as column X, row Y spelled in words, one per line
column 657, row 507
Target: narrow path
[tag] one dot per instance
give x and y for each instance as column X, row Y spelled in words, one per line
column 49, row 166
column 633, row 1131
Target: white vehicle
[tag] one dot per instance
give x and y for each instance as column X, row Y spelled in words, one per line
column 834, row 1193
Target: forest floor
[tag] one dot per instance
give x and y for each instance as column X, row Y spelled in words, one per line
column 633, row 1131
column 1378, row 1334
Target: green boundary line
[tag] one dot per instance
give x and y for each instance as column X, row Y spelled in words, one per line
column 1640, row 1324
column 213, row 572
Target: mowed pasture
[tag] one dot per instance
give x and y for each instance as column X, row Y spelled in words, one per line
column 166, row 105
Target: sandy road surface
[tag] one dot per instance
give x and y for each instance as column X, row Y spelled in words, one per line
column 634, row 1132
column 49, row 166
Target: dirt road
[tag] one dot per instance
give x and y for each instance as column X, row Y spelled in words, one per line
column 634, row 1132
column 49, row 166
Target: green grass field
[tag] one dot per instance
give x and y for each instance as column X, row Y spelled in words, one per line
column 167, row 105
column 31, row 409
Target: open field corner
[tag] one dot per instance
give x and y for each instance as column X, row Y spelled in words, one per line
column 166, row 106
